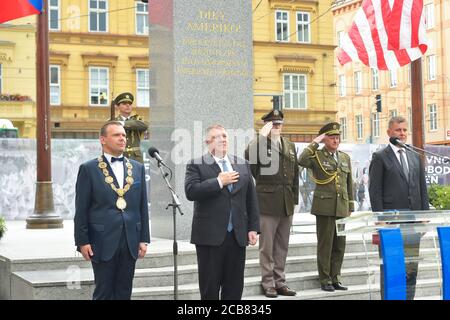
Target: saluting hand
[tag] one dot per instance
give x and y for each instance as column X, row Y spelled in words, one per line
column 319, row 139
column 228, row 177
column 265, row 130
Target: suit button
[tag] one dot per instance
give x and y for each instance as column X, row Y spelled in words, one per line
column 339, row 195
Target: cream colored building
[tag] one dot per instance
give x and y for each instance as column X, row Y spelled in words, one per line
column 293, row 57
column 98, row 49
column 17, row 74
column 358, row 85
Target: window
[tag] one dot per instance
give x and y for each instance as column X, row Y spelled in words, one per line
column 98, row 86
column 433, row 117
column 375, row 124
column 282, row 25
column 98, row 15
column 431, row 67
column 295, row 96
column 343, row 122
column 429, row 15
column 393, row 78
column 55, row 85
column 342, row 85
column 53, row 15
column 303, row 31
column 358, row 82
column 340, row 37
column 142, row 88
column 359, row 127
column 392, row 113
column 375, row 86
column 1, row 78
column 142, row 18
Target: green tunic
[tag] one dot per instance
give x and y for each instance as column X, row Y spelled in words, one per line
column 134, row 128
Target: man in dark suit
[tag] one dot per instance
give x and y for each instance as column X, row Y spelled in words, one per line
column 273, row 161
column 397, row 182
column 111, row 215
column 226, row 216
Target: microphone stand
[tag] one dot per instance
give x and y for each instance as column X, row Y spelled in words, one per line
column 410, row 148
column 175, row 205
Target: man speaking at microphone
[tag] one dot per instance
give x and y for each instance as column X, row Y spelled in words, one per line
column 226, row 216
column 397, row 182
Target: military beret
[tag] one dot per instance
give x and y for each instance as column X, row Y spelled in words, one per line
column 276, row 116
column 124, row 97
column 330, row 129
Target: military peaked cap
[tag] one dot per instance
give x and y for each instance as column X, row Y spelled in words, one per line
column 124, row 97
column 276, row 116
column 330, row 129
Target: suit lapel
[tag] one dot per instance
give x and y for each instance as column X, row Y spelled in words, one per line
column 111, row 172
column 236, row 167
column 394, row 159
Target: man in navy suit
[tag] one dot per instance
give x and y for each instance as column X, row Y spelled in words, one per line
column 226, row 216
column 111, row 215
column 397, row 182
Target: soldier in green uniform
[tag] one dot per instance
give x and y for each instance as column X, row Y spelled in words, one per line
column 331, row 170
column 274, row 165
column 133, row 124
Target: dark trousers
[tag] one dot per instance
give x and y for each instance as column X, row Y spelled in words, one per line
column 330, row 250
column 114, row 278
column 221, row 269
column 411, row 251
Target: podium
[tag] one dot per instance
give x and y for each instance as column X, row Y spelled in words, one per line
column 402, row 247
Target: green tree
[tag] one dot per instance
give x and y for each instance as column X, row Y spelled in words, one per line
column 439, row 196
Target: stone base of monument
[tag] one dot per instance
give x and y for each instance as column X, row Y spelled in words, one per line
column 52, row 270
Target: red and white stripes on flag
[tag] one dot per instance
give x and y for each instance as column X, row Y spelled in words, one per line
column 385, row 34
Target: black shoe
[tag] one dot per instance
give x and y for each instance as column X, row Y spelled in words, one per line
column 339, row 286
column 327, row 287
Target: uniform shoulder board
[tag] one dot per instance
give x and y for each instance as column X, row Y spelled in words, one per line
column 344, row 153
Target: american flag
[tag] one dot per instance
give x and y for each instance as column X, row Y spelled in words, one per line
column 385, row 34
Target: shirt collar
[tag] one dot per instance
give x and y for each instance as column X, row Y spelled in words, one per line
column 395, row 148
column 220, row 159
column 109, row 156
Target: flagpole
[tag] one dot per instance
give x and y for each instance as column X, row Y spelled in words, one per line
column 44, row 215
column 417, row 103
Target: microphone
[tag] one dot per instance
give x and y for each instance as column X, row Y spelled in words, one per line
column 154, row 153
column 396, row 142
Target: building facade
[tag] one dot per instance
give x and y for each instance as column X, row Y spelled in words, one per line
column 98, row 49
column 17, row 74
column 358, row 86
column 293, row 47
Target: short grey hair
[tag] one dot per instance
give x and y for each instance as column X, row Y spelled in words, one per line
column 398, row 119
column 211, row 127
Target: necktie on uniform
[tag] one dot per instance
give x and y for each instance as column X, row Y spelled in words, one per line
column 225, row 168
column 403, row 164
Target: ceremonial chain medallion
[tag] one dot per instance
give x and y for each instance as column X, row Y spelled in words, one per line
column 120, row 203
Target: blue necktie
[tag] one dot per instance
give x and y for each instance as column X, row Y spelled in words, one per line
column 230, row 188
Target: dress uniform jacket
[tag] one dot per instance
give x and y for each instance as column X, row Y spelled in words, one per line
column 278, row 191
column 333, row 195
column 134, row 128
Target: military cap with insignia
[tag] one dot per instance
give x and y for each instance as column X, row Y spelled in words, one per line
column 124, row 97
column 330, row 129
column 276, row 116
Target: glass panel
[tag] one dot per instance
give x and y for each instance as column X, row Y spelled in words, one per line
column 295, row 97
column 93, row 21
column 102, row 22
column 93, row 4
column 102, row 4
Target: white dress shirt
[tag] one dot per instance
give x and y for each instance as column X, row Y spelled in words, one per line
column 219, row 163
column 117, row 168
column 397, row 154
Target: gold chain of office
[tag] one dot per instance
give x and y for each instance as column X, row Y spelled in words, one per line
column 120, row 203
